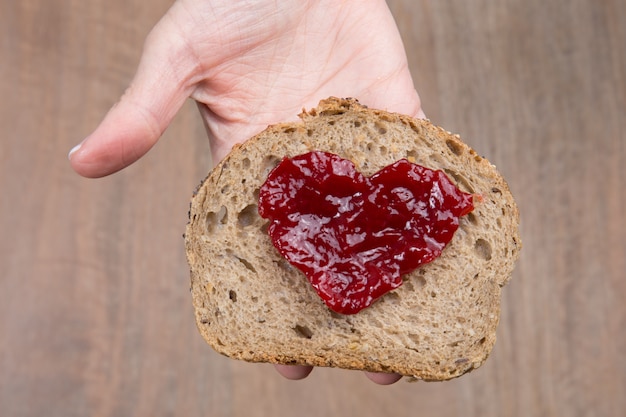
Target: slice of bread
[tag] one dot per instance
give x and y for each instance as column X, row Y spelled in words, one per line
column 251, row 304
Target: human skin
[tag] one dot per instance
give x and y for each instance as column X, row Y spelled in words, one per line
column 249, row 64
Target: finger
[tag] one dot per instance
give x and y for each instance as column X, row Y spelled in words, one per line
column 383, row 379
column 294, row 372
column 127, row 132
column 138, row 120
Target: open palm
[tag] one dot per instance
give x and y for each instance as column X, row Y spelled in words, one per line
column 249, row 64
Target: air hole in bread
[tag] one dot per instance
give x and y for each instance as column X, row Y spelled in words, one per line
column 284, row 265
column 460, row 180
column 437, row 158
column 331, row 122
column 380, row 127
column 411, row 155
column 414, row 283
column 248, row 216
column 392, row 298
column 289, row 130
column 471, row 217
column 232, row 295
column 268, row 164
column 303, row 331
column 483, row 249
column 245, row 163
column 246, row 263
column 455, row 147
column 421, row 280
column 357, row 123
column 216, row 219
column 309, row 132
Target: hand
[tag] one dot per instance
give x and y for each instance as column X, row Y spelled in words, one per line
column 247, row 65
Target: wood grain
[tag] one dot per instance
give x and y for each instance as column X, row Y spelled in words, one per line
column 95, row 314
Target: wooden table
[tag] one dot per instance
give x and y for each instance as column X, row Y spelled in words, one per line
column 95, row 313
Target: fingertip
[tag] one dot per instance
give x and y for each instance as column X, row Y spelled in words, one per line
column 383, row 379
column 76, row 159
column 95, row 160
column 73, row 151
column 85, row 164
column 293, row 372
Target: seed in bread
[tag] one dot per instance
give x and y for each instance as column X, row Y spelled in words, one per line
column 251, row 304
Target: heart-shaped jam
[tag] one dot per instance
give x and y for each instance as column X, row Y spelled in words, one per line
column 355, row 236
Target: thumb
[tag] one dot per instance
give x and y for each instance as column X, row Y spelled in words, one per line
column 138, row 120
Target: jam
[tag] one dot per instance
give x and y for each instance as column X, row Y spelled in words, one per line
column 355, row 236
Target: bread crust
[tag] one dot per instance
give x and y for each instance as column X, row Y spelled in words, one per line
column 250, row 304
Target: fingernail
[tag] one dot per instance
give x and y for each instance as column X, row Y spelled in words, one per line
column 73, row 150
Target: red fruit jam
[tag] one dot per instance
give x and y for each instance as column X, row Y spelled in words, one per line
column 355, row 236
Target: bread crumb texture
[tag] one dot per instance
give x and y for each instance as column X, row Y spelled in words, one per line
column 251, row 304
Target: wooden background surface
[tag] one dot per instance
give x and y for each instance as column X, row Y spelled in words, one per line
column 95, row 314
